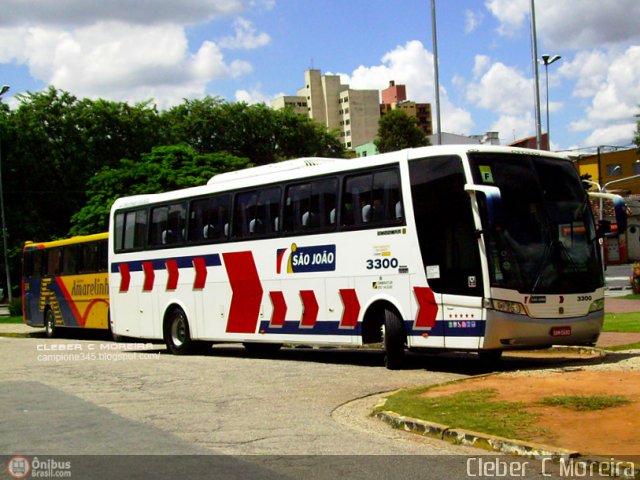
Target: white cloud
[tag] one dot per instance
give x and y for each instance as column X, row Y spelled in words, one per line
column 472, row 20
column 246, row 37
column 514, row 127
column 125, row 51
column 254, row 95
column 73, row 13
column 570, row 24
column 510, row 13
column 615, row 98
column 502, row 89
column 412, row 65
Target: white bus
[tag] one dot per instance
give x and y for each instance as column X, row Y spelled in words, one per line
column 455, row 247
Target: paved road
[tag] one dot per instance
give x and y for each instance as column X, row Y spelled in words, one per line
column 73, row 397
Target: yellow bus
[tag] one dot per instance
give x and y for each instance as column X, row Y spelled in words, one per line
column 65, row 284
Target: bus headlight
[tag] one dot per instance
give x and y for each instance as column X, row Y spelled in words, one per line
column 597, row 305
column 509, row 307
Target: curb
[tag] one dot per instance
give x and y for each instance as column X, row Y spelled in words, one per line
column 458, row 436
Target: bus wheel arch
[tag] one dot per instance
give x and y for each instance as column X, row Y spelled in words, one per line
column 382, row 323
column 176, row 331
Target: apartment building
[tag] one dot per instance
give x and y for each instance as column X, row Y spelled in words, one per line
column 394, row 97
column 354, row 113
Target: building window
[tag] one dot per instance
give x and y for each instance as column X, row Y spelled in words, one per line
column 636, row 167
column 614, row 169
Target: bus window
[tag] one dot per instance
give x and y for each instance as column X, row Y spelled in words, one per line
column 88, row 261
column 310, row 206
column 372, row 199
column 256, row 213
column 209, row 219
column 69, row 260
column 53, row 261
column 135, row 227
column 167, row 225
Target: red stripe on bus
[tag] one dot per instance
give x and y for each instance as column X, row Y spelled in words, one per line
column 247, row 292
column 200, row 266
column 427, row 307
column 72, row 305
column 279, row 309
column 351, row 308
column 149, row 276
column 173, row 273
column 125, row 277
column 310, row 308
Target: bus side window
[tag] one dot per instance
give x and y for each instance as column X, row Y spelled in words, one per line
column 208, row 218
column 88, row 259
column 135, row 229
column 53, row 261
column 256, row 213
column 103, row 256
column 69, row 260
column 356, row 208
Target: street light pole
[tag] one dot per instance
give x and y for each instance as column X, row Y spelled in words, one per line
column 436, row 75
column 536, row 86
column 546, row 61
column 3, row 90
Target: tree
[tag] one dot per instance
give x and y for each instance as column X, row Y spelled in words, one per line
column 163, row 169
column 256, row 131
column 397, row 130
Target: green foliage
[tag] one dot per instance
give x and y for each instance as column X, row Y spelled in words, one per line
column 472, row 410
column 15, row 307
column 621, row 322
column 64, row 160
column 584, row 403
column 163, row 169
column 256, row 131
column 397, row 130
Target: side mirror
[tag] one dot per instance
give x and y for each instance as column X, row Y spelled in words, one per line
column 493, row 201
column 620, row 210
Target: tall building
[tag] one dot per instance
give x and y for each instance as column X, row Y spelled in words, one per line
column 394, row 97
column 354, row 113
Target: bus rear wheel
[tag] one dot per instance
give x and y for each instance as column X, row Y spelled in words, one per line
column 394, row 340
column 176, row 333
column 50, row 324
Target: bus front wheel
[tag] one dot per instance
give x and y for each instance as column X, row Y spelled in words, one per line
column 50, row 324
column 394, row 341
column 176, row 333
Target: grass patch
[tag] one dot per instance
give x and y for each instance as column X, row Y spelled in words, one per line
column 10, row 319
column 618, row 348
column 472, row 410
column 631, row 296
column 584, row 403
column 621, row 322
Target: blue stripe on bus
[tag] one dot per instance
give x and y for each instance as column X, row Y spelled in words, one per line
column 441, row 329
column 449, row 328
column 212, row 260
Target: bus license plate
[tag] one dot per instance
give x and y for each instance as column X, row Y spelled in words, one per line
column 561, row 332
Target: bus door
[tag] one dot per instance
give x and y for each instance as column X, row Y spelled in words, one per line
column 449, row 247
column 31, row 286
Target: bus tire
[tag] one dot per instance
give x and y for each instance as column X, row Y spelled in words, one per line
column 394, row 340
column 176, row 333
column 50, row 324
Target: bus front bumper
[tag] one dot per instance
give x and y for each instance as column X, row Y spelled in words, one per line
column 507, row 331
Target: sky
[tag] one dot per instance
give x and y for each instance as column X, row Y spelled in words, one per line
column 256, row 50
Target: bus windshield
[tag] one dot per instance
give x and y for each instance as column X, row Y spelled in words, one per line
column 545, row 241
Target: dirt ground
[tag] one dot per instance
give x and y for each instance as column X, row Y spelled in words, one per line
column 609, row 432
